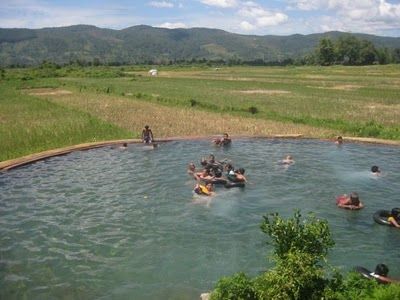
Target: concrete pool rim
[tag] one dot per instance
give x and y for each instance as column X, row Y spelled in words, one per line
column 31, row 158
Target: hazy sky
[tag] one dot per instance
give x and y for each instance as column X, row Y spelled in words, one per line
column 261, row 17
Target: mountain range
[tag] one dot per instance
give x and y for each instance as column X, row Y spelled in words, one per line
column 146, row 44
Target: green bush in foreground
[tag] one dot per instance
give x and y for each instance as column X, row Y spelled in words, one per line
column 300, row 271
column 239, row 286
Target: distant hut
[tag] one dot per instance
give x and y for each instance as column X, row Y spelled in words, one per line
column 153, row 72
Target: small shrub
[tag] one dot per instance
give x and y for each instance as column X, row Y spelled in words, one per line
column 239, row 286
column 384, row 292
column 253, row 110
column 355, row 287
column 371, row 129
column 296, row 277
column 193, row 102
column 310, row 236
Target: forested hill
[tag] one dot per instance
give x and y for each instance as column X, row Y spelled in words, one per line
column 145, row 44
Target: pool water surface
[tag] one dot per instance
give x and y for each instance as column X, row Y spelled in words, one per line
column 125, row 224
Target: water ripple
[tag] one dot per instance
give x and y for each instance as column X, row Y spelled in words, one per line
column 116, row 224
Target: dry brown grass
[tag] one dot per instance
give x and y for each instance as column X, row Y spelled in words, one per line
column 342, row 87
column 266, row 92
column 47, row 92
column 346, row 87
column 315, row 77
column 166, row 121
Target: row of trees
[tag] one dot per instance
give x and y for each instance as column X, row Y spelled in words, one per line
column 350, row 50
column 345, row 50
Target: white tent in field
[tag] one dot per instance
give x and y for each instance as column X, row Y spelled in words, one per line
column 153, row 72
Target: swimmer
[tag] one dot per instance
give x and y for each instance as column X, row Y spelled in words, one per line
column 191, row 170
column 375, row 170
column 394, row 218
column 206, row 190
column 123, row 146
column 349, row 202
column 229, row 168
column 339, row 140
column 147, row 135
column 225, row 140
column 288, row 160
column 205, row 175
column 237, row 176
column 381, row 272
column 211, row 164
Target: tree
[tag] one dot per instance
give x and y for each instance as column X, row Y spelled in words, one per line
column 348, row 50
column 96, row 62
column 367, row 52
column 384, row 56
column 326, row 52
column 396, row 55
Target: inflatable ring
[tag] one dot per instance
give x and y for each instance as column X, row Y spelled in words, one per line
column 233, row 178
column 364, row 272
column 202, row 190
column 341, row 199
column 381, row 217
column 217, row 181
column 368, row 274
column 229, row 185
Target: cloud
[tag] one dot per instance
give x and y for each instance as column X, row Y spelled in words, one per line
column 389, row 11
column 367, row 9
column 173, row 25
column 220, row 3
column 260, row 16
column 161, row 4
column 369, row 16
column 38, row 14
column 272, row 19
column 247, row 26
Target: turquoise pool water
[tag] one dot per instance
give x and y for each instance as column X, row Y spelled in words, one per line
column 113, row 224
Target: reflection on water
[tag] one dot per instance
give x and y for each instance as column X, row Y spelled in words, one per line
column 107, row 223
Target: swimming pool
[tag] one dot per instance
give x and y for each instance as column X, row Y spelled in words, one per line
column 124, row 224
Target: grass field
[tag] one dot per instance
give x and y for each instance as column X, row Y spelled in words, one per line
column 47, row 108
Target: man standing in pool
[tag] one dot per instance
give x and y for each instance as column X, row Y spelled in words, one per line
column 147, row 135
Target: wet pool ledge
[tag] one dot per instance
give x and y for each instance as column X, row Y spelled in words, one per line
column 24, row 160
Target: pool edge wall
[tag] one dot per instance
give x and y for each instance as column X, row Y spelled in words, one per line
column 24, row 160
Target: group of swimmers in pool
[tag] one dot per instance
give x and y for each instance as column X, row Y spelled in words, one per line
column 216, row 172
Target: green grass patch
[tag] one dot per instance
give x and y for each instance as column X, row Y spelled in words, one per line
column 29, row 124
